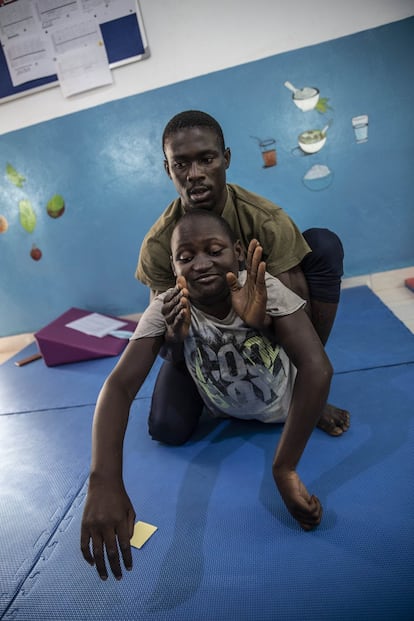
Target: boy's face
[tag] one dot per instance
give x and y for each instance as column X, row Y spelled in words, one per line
column 197, row 166
column 203, row 253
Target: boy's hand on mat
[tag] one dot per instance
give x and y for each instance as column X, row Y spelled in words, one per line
column 108, row 524
column 249, row 300
column 176, row 311
column 306, row 509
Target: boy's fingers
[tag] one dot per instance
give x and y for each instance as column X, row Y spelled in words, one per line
column 125, row 545
column 232, row 281
column 98, row 555
column 86, row 551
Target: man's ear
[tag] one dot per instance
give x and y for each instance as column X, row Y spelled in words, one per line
column 227, row 156
column 172, row 266
column 167, row 168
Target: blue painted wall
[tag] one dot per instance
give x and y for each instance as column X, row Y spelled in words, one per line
column 107, row 164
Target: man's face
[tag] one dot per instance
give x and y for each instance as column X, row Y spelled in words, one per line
column 197, row 166
column 203, row 253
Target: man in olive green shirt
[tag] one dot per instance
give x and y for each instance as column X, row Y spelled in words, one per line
column 247, row 214
column 310, row 264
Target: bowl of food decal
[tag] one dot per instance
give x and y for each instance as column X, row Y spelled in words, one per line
column 312, row 140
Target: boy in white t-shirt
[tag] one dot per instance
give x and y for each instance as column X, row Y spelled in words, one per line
column 252, row 352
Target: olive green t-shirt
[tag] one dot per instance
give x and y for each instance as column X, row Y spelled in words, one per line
column 248, row 214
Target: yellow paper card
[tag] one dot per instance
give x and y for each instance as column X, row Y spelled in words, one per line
column 142, row 532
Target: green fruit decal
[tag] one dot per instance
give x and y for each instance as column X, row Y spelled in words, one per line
column 56, row 206
column 14, row 177
column 27, row 215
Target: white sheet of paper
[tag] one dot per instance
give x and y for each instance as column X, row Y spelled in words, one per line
column 95, row 324
column 29, row 58
column 17, row 19
column 52, row 12
column 107, row 10
column 75, row 35
column 82, row 70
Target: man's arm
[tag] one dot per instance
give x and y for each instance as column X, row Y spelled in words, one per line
column 109, row 516
column 294, row 279
column 298, row 338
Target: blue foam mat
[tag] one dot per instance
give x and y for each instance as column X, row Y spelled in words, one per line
column 367, row 334
column 44, row 461
column 36, row 386
column 226, row 548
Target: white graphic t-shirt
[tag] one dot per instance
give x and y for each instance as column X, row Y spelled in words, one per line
column 239, row 372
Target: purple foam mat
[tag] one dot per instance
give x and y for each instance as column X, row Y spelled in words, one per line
column 226, row 548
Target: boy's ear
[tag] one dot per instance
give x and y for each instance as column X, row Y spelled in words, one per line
column 239, row 252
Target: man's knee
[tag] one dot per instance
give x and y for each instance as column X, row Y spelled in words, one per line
column 323, row 267
column 327, row 249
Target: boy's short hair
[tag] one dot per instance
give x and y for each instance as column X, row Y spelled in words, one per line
column 189, row 119
column 199, row 213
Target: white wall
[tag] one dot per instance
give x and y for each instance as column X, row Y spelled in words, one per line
column 188, row 38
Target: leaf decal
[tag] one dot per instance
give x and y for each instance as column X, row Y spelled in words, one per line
column 27, row 216
column 14, row 177
column 323, row 106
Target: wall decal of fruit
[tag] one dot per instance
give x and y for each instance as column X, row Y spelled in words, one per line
column 55, row 206
column 4, row 225
column 35, row 253
column 14, row 177
column 27, row 215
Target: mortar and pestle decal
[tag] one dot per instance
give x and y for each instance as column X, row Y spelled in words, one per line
column 304, row 98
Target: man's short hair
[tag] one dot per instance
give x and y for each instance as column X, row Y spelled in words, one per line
column 189, row 119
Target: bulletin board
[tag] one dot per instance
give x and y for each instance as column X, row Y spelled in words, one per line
column 124, row 39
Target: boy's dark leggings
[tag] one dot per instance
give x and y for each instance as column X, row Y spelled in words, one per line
column 176, row 404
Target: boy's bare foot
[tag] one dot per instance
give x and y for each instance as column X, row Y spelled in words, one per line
column 334, row 421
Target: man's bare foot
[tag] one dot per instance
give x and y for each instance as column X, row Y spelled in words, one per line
column 334, row 421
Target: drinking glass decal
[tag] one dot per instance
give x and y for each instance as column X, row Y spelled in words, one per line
column 268, row 150
column 360, row 125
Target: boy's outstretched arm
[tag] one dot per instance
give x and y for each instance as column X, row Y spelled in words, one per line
column 108, row 517
column 297, row 336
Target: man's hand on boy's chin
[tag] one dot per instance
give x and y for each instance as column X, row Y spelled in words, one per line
column 177, row 313
column 306, row 509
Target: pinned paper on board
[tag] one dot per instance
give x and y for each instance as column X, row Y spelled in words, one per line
column 142, row 532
